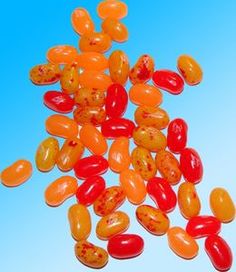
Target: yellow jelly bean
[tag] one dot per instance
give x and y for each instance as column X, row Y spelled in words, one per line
column 115, row 29
column 70, row 79
column 89, row 97
column 90, row 115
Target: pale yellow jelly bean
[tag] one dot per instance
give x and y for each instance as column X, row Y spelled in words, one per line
column 46, row 154
column 92, row 61
column 70, row 79
column 115, row 29
column 94, row 80
column 81, row 21
column 112, row 224
column 113, row 9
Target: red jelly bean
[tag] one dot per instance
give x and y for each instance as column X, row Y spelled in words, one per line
column 162, row 194
column 202, row 225
column 58, row 101
column 123, row 246
column 219, row 252
column 169, row 81
column 90, row 166
column 116, row 101
column 117, row 127
column 191, row 165
column 90, row 190
column 177, row 135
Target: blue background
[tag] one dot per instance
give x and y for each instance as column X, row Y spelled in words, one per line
column 36, row 238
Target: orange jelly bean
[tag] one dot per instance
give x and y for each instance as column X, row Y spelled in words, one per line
column 80, row 222
column 133, row 186
column 71, row 151
column 112, row 224
column 61, row 126
column 90, row 115
column 62, row 54
column 89, row 97
column 93, row 139
column 60, row 190
column 17, row 173
column 115, row 29
column 113, row 9
column 81, row 21
column 70, row 79
column 92, row 61
column 182, row 243
column 94, row 80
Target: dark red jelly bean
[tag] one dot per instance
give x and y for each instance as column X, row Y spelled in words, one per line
column 117, row 127
column 90, row 166
column 177, row 135
column 90, row 190
column 116, row 101
column 162, row 194
column 191, row 165
column 219, row 252
column 123, row 246
column 168, row 81
column 202, row 226
column 58, row 101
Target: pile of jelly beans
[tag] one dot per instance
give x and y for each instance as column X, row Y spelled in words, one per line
column 98, row 100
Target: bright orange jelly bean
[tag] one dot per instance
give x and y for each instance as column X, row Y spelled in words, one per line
column 81, row 21
column 92, row 61
column 115, row 29
column 94, row 80
column 113, row 9
column 62, row 54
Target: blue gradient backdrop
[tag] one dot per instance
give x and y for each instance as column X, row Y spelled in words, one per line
column 36, row 238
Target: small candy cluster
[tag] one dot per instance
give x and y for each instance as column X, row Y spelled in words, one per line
column 98, row 101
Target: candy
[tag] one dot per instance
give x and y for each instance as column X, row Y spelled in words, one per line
column 46, row 154
column 168, row 81
column 153, row 220
column 133, row 186
column 81, row 21
column 123, row 246
column 92, row 61
column 90, row 190
column 115, row 29
column 109, row 200
column 70, row 79
column 89, row 97
column 17, row 173
column 62, row 54
column 59, row 190
column 112, row 224
column 89, row 115
column 162, row 194
column 113, row 9
column 80, row 222
column 94, row 80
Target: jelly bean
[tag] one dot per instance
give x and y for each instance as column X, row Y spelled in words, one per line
column 188, row 200
column 94, row 80
column 219, row 252
column 71, row 151
column 168, row 81
column 146, row 95
column 45, row 74
column 90, row 190
column 123, row 246
column 177, row 135
column 95, row 42
column 116, row 101
column 109, row 200
column 81, row 21
column 61, row 126
column 202, row 226
column 90, row 115
column 60, row 190
column 46, row 154
column 80, row 222
column 91, row 255
column 142, row 70
column 112, row 224
column 117, row 127
column 182, row 243
column 92, row 61
column 150, row 138
column 222, row 205
column 115, row 29
column 162, row 194
column 89, row 97
column 152, row 117
column 17, row 173
column 191, row 165
column 70, row 79
column 90, row 166
column 118, row 156
column 62, row 54
column 113, row 9
column 189, row 69
column 58, row 101
column 119, row 67
column 143, row 163
column 133, row 186
column 93, row 140
column 168, row 166
column 152, row 219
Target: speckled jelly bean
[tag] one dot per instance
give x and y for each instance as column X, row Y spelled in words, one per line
column 94, row 80
column 62, row 54
column 92, row 61
column 113, row 9
column 81, row 21
column 115, row 29
column 70, row 79
column 89, row 115
column 89, row 97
